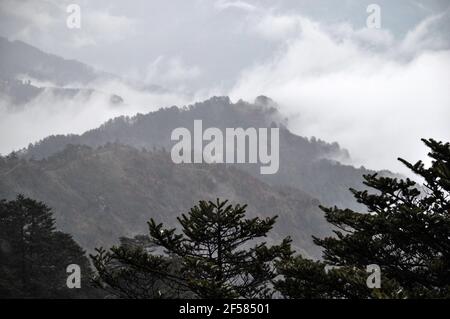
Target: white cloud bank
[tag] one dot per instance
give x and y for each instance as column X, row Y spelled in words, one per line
column 374, row 93
column 50, row 114
column 375, row 96
column 45, row 21
column 170, row 72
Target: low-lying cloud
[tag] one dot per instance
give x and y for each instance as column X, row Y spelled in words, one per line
column 51, row 114
column 375, row 95
column 375, row 91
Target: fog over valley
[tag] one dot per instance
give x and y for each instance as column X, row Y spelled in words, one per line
column 331, row 76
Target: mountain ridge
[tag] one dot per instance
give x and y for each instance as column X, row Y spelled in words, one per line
column 101, row 194
column 19, row 57
column 310, row 165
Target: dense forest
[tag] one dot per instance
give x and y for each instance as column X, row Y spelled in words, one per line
column 402, row 237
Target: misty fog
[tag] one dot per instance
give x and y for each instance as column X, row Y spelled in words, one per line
column 331, row 76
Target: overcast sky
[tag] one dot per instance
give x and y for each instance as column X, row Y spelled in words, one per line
column 375, row 91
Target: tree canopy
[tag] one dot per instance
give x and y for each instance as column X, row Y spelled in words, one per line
column 34, row 256
column 405, row 231
column 219, row 254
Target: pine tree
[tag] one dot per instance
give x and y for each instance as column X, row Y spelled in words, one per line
column 219, row 254
column 405, row 231
column 131, row 271
column 34, row 256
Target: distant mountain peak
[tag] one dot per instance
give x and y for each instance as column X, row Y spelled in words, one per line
column 20, row 58
column 265, row 101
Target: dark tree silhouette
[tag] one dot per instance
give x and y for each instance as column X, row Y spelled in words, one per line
column 405, row 231
column 131, row 271
column 220, row 254
column 34, row 256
